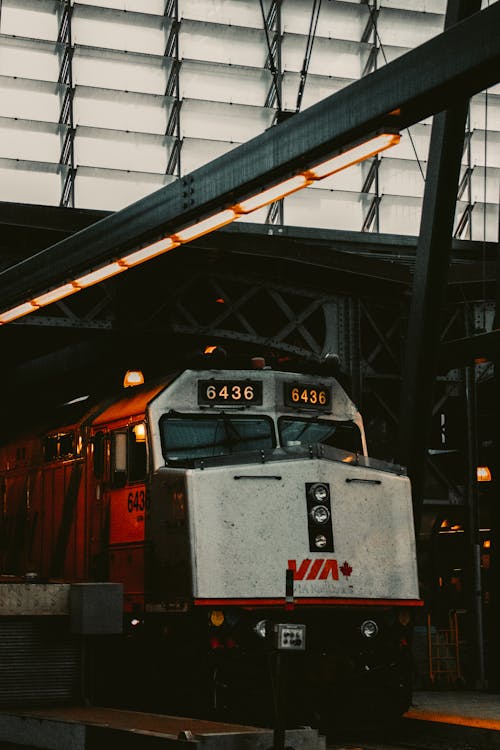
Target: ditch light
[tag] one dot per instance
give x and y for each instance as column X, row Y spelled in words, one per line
column 343, row 159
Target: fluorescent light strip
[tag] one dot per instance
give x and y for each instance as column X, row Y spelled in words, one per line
column 17, row 312
column 56, row 294
column 100, row 274
column 206, row 225
column 274, row 193
column 162, row 246
column 354, row 155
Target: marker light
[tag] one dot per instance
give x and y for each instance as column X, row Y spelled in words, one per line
column 319, row 492
column 207, row 225
column 272, row 194
column 320, row 514
column 162, row 246
column 139, row 431
column 17, row 312
column 369, row 628
column 133, row 377
column 62, row 291
column 100, row 274
column 217, row 618
column 353, row 155
column 483, row 474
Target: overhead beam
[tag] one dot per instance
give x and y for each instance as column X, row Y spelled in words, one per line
column 458, row 63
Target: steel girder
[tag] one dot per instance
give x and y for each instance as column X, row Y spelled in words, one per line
column 461, row 61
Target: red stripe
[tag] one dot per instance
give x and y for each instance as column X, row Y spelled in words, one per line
column 309, row 601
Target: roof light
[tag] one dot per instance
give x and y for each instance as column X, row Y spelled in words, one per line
column 272, row 194
column 483, row 474
column 17, row 312
column 206, row 225
column 157, row 248
column 56, row 294
column 132, row 378
column 100, row 274
column 352, row 156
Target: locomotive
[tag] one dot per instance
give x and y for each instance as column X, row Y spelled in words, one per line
column 232, row 504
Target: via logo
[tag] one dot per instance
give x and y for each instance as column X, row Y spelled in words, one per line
column 318, row 569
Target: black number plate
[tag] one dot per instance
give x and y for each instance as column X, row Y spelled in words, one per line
column 225, row 392
column 307, row 396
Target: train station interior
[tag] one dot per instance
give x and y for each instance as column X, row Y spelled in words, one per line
column 297, row 180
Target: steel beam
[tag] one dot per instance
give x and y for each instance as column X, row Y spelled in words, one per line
column 431, row 270
column 460, row 62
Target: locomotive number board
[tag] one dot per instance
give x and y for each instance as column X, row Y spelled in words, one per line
column 307, row 396
column 226, row 392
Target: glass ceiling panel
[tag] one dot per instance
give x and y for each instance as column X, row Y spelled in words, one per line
column 328, row 56
column 234, row 123
column 317, row 88
column 400, row 214
column 408, row 29
column 105, row 108
column 21, row 184
column 324, row 209
column 224, row 84
column 120, row 71
column 112, row 190
column 132, row 32
column 119, row 150
column 225, row 44
column 197, row 151
column 28, row 99
column 37, row 20
column 155, row 7
column 28, row 59
column 337, row 20
column 29, row 140
column 230, row 12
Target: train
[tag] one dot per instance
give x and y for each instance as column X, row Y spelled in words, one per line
column 263, row 555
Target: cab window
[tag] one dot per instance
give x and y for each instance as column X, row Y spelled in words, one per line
column 128, row 455
column 343, row 435
column 187, row 437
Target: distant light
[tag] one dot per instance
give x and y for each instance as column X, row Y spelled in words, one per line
column 483, row 474
column 210, row 349
column 133, row 378
column 220, row 301
column 487, row 543
column 75, row 400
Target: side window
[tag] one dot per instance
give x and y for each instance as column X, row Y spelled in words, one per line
column 59, row 446
column 118, row 459
column 128, row 455
column 99, row 455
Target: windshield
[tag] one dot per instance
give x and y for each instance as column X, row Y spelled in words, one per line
column 186, row 437
column 343, row 435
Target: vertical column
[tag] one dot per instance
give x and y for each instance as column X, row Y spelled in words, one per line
column 66, row 119
column 172, row 88
column 370, row 36
column 272, row 29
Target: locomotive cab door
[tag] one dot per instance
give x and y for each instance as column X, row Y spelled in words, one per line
column 122, row 495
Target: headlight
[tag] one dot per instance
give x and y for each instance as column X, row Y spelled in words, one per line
column 320, row 541
column 369, row 628
column 261, row 628
column 320, row 513
column 319, row 492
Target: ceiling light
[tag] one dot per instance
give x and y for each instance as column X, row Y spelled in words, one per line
column 17, row 312
column 206, row 225
column 352, row 156
column 100, row 274
column 146, row 253
column 274, row 193
column 56, row 294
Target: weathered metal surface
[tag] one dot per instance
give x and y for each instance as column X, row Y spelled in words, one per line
column 26, row 599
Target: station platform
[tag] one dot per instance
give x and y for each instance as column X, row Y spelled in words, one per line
column 457, row 719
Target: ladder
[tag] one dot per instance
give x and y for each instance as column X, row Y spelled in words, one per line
column 444, row 651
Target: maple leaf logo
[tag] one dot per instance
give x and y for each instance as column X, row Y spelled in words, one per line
column 346, row 569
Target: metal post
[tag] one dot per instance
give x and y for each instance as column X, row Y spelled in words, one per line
column 474, row 542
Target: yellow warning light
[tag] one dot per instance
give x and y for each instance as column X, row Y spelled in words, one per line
column 133, row 378
column 487, row 543
column 217, row 617
column 139, row 431
column 483, row 474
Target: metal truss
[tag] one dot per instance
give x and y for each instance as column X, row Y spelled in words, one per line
column 172, row 88
column 67, row 93
column 284, row 318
